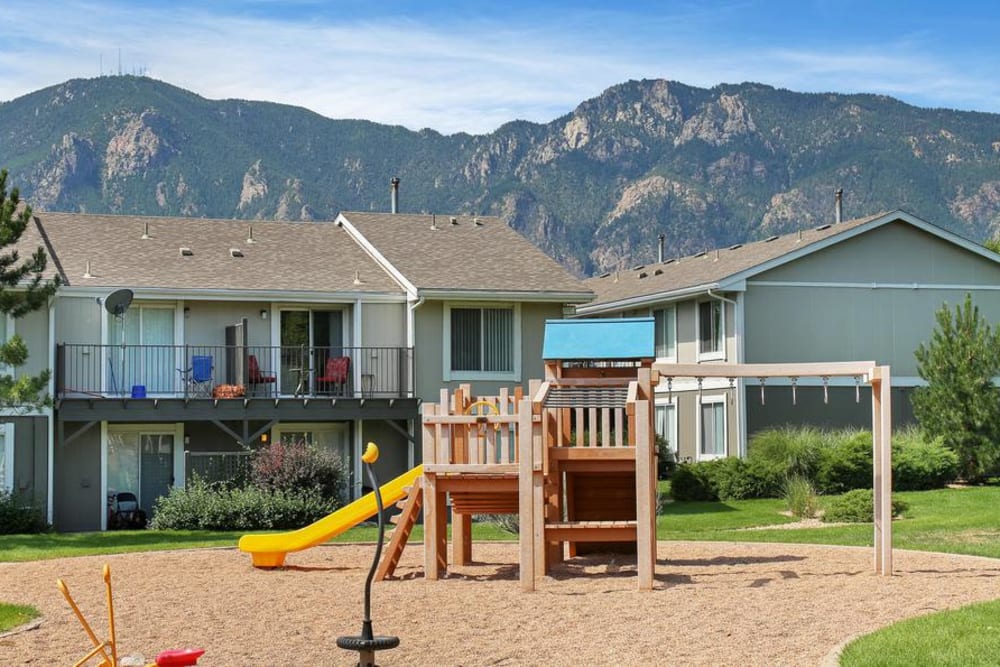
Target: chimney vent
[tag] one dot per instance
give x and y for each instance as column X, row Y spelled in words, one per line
column 839, row 206
column 395, row 193
column 86, row 271
column 250, row 235
column 659, row 254
column 145, row 230
column 434, row 225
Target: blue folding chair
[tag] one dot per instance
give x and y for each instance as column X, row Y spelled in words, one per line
column 199, row 377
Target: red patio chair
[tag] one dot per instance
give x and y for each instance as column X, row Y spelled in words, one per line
column 338, row 373
column 255, row 376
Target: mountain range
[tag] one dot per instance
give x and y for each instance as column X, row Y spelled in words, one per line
column 594, row 188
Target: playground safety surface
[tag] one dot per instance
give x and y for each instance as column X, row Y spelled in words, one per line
column 714, row 603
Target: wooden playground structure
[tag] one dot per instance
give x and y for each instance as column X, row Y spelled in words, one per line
column 575, row 457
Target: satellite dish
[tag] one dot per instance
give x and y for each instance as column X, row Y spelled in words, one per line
column 118, row 302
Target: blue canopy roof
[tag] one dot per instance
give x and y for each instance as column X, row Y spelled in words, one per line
column 621, row 338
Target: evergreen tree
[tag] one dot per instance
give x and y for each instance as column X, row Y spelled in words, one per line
column 23, row 289
column 960, row 402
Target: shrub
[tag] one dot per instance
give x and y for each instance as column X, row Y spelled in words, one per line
column 293, row 467
column 919, row 463
column 18, row 518
column 857, row 506
column 203, row 506
column 666, row 461
column 801, row 497
column 695, row 481
column 846, row 463
column 793, row 450
column 738, row 479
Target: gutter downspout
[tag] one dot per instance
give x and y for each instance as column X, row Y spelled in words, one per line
column 412, row 303
column 740, row 382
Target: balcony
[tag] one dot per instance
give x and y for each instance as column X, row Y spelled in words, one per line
column 194, row 372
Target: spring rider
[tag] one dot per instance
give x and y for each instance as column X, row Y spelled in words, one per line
column 367, row 643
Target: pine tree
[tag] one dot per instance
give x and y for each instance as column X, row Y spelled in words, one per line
column 23, row 289
column 960, row 402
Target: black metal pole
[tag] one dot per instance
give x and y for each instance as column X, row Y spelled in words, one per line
column 366, row 644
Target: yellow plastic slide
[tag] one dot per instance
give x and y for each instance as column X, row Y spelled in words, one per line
column 269, row 550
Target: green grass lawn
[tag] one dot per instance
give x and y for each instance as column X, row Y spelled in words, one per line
column 962, row 638
column 13, row 615
column 951, row 520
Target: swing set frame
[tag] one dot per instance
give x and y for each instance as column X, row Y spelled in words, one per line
column 880, row 379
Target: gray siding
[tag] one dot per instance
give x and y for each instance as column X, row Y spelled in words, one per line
column 392, row 447
column 31, row 458
column 77, row 501
column 34, row 329
column 429, row 324
column 206, row 321
column 78, row 320
column 841, row 411
column 868, row 298
column 383, row 325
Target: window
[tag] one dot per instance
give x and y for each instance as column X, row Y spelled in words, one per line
column 481, row 342
column 150, row 358
column 712, row 428
column 665, row 322
column 711, row 334
column 666, row 425
column 6, row 455
column 141, row 460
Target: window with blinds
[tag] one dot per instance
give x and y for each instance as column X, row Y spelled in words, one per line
column 482, row 340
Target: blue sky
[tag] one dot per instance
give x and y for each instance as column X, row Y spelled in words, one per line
column 473, row 66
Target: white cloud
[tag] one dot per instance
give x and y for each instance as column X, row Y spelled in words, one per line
column 466, row 75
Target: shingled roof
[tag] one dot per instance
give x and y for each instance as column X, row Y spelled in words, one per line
column 464, row 255
column 146, row 252
column 713, row 269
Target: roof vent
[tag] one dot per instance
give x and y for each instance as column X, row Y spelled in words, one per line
column 235, row 252
column 642, row 274
column 736, row 246
column 658, row 272
column 434, row 225
column 454, row 220
column 604, row 275
column 477, row 222
column 770, row 238
column 639, row 267
column 145, row 231
column 670, row 261
column 186, row 252
column 701, row 254
column 357, row 278
column 822, row 227
column 86, row 271
column 250, row 238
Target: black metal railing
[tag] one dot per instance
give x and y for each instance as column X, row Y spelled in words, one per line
column 226, row 371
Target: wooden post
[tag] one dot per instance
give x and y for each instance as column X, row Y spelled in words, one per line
column 461, row 537
column 432, row 566
column 645, row 496
column 526, row 514
column 882, row 468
